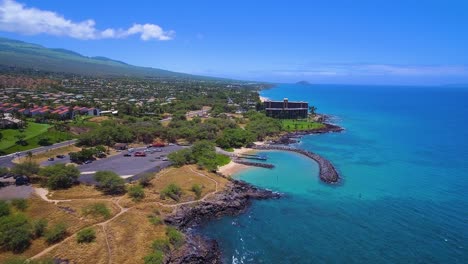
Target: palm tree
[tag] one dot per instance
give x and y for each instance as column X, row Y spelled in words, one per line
column 312, row 109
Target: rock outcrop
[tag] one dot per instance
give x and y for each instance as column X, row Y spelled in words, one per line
column 233, row 200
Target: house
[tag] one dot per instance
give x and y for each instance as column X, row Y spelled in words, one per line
column 8, row 121
column 286, row 109
column 120, row 146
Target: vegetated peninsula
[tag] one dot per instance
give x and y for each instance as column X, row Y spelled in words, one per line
column 117, row 167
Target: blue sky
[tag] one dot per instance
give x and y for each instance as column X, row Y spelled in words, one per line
column 356, row 42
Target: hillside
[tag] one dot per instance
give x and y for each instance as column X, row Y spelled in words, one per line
column 14, row 53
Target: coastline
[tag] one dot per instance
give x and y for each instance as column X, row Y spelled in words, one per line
column 233, row 200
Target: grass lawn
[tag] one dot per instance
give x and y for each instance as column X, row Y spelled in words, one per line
column 298, row 125
column 33, row 133
column 33, row 130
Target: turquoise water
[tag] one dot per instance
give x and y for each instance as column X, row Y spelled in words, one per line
column 404, row 194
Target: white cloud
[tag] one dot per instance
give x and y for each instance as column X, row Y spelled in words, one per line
column 16, row 17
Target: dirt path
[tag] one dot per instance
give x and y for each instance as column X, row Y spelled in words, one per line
column 41, row 192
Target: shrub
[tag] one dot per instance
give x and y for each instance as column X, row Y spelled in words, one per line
column 155, row 220
column 156, row 257
column 56, row 233
column 161, row 245
column 197, row 189
column 20, row 204
column 173, row 191
column 45, row 141
column 145, row 180
column 96, row 210
column 4, row 208
column 176, row 238
column 27, row 168
column 86, row 235
column 136, row 192
column 60, row 176
column 110, row 182
column 15, row 233
column 39, row 227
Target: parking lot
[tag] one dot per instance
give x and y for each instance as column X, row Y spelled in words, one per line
column 127, row 167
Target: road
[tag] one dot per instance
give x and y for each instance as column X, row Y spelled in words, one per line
column 7, row 161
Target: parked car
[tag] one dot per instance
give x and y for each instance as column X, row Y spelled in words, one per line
column 60, row 156
column 165, row 159
column 171, row 144
column 50, row 159
column 158, row 149
column 127, row 155
column 88, row 161
column 148, row 150
column 22, row 180
column 140, row 154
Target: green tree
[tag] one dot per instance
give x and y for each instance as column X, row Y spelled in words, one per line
column 86, row 235
column 27, row 168
column 173, row 191
column 20, row 204
column 110, row 182
column 38, row 227
column 4, row 208
column 197, row 189
column 156, row 257
column 176, row 238
column 60, row 176
column 136, row 192
column 15, row 233
column 56, row 233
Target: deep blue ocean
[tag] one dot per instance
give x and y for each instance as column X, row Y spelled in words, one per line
column 404, row 195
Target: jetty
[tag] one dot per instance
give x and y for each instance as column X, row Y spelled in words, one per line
column 327, row 174
column 252, row 156
column 255, row 164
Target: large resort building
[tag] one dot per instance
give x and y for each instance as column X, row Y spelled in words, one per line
column 285, row 109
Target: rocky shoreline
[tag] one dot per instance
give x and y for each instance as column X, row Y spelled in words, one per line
column 232, row 201
column 291, row 137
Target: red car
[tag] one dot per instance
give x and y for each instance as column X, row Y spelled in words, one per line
column 139, row 154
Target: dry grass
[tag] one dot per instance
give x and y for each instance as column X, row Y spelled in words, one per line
column 94, row 252
column 131, row 235
column 39, row 208
column 98, row 119
column 183, row 177
column 80, row 191
column 43, row 156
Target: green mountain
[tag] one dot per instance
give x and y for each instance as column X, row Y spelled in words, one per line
column 32, row 56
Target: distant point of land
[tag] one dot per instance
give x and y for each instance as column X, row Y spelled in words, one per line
column 303, row 83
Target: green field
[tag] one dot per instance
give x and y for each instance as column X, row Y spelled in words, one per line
column 33, row 133
column 300, row 125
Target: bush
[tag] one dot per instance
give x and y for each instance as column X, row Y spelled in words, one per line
column 96, row 210
column 145, row 180
column 161, row 245
column 86, row 235
column 155, row 220
column 110, row 182
column 173, row 191
column 176, row 238
column 39, row 227
column 60, row 176
column 4, row 208
column 27, row 168
column 156, row 257
column 15, row 233
column 56, row 233
column 136, row 192
column 45, row 141
column 197, row 189
column 20, row 204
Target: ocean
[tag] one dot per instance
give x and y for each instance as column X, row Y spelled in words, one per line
column 403, row 198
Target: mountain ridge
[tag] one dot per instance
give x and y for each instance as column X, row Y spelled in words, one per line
column 21, row 54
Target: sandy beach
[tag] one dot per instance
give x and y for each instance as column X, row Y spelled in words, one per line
column 232, row 168
column 263, row 99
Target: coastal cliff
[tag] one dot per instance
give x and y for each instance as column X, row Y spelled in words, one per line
column 233, row 200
